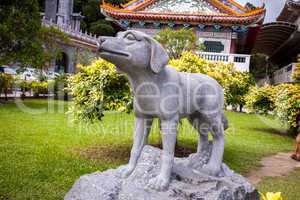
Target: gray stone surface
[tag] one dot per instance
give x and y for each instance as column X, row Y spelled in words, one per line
column 187, row 183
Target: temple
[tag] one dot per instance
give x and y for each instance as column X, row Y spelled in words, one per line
column 227, row 29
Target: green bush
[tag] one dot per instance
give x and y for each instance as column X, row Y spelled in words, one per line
column 6, row 83
column 287, row 106
column 39, row 88
column 261, row 100
column 296, row 73
column 283, row 100
column 96, row 88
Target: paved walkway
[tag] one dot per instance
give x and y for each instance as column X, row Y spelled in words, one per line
column 277, row 165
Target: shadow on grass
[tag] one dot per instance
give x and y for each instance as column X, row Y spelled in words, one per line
column 119, row 153
column 281, row 132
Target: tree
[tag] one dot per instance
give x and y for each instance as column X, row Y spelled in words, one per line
column 94, row 21
column 102, row 27
column 237, row 87
column 19, row 30
column 260, row 66
column 177, row 41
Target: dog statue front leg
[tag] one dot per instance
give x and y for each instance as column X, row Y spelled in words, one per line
column 142, row 129
column 168, row 129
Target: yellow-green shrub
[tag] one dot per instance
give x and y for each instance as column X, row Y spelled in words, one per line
column 39, row 87
column 261, row 100
column 296, row 73
column 96, row 88
column 283, row 100
column 287, row 105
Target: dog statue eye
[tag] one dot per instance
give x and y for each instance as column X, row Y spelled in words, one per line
column 130, row 37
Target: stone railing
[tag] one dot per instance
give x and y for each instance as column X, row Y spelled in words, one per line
column 79, row 35
column 240, row 61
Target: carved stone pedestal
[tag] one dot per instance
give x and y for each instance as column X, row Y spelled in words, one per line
column 187, row 182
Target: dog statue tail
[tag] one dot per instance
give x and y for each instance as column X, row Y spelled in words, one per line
column 224, row 121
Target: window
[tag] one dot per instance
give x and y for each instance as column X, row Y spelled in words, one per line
column 213, row 46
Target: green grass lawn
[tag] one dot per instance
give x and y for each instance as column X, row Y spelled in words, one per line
column 42, row 152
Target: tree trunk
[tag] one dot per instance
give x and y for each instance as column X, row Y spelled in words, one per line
column 5, row 93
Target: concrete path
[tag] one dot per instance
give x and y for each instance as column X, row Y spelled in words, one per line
column 277, row 165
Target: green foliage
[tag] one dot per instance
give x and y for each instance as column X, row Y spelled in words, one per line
column 19, row 31
column 177, row 41
column 261, row 100
column 96, row 88
column 94, row 21
column 58, row 85
column 283, row 100
column 235, row 83
column 25, row 86
column 287, row 106
column 101, row 27
column 6, row 83
column 260, row 66
column 39, row 88
column 23, row 39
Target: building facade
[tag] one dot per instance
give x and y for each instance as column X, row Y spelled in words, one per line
column 227, row 29
column 61, row 13
column 280, row 41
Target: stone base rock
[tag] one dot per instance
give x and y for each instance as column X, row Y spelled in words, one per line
column 187, row 183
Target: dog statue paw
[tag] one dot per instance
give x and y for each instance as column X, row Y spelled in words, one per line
column 125, row 170
column 159, row 183
column 210, row 170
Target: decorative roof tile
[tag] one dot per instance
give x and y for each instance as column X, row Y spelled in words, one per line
column 206, row 12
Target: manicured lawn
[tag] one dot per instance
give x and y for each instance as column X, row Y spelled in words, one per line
column 42, row 153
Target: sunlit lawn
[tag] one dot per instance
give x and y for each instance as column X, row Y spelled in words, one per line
column 42, row 152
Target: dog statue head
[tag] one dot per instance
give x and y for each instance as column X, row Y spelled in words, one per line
column 132, row 51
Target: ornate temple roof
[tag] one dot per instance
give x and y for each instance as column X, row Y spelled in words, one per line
column 194, row 12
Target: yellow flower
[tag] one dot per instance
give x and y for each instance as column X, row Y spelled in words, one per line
column 272, row 196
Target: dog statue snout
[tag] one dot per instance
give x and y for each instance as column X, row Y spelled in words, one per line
column 101, row 40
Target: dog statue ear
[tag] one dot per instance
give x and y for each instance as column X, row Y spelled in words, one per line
column 159, row 57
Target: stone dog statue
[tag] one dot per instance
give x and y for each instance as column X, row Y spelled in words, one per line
column 162, row 92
